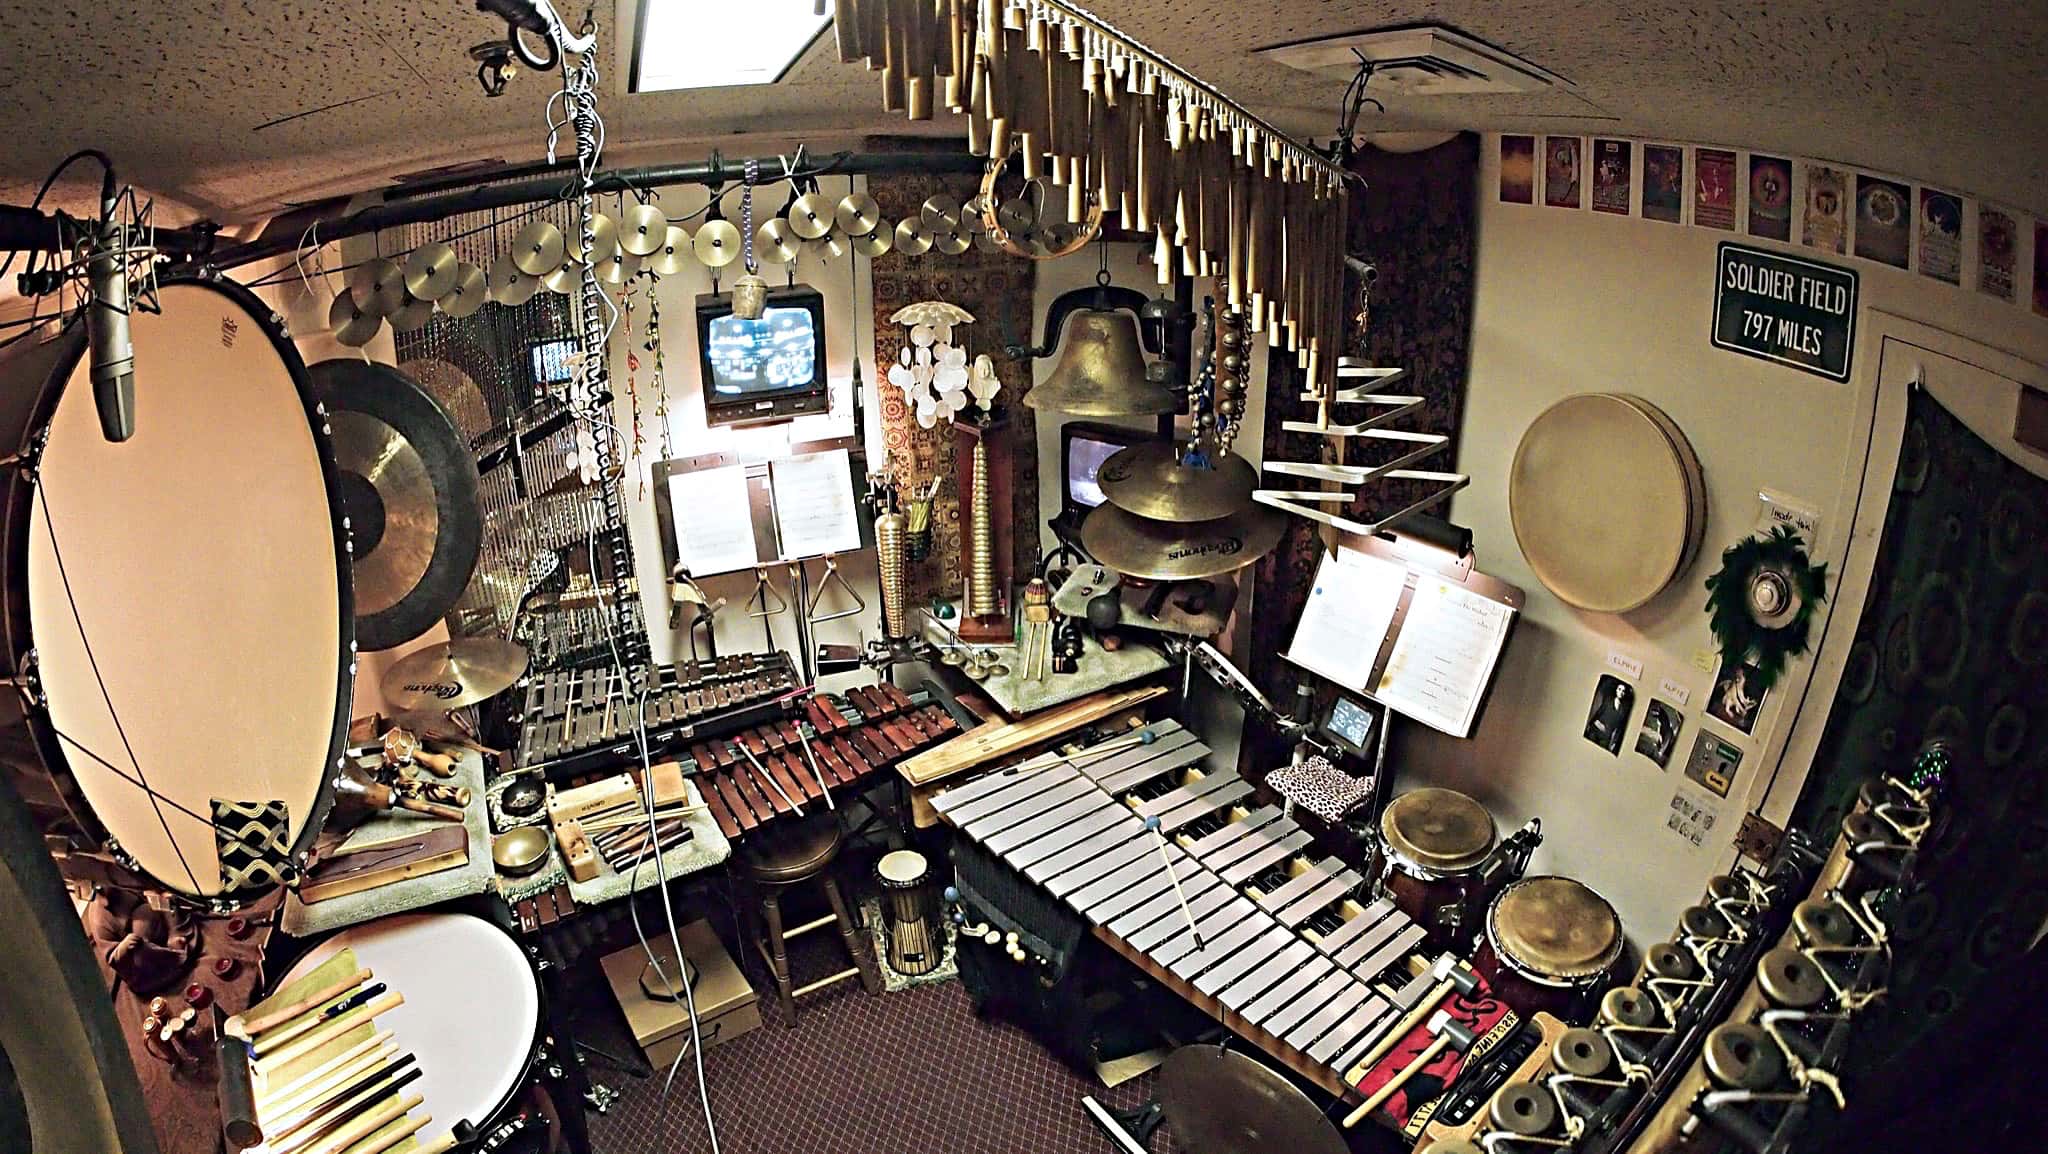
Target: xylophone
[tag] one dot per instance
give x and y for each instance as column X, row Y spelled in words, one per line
column 1288, row 954
column 578, row 721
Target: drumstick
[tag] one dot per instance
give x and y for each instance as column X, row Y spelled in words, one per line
column 311, row 1123
column 273, row 1039
column 441, row 1145
column 328, row 1075
column 369, row 1124
column 1152, row 825
column 412, row 1126
column 307, row 1043
column 247, row 1028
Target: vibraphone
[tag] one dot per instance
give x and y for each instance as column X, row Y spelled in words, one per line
column 580, row 721
column 756, row 776
column 1289, row 954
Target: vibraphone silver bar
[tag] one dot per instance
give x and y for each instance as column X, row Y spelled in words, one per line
column 1288, row 954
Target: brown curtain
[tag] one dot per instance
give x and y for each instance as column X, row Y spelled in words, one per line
column 996, row 289
column 1416, row 222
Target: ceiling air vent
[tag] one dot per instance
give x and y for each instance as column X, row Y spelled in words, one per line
column 1425, row 61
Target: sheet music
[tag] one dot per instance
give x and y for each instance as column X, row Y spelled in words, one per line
column 1444, row 656
column 714, row 531
column 1344, row 622
column 814, row 506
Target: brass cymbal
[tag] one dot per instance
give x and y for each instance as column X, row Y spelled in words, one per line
column 674, row 253
column 717, row 243
column 1148, row 479
column 811, row 215
column 1219, row 1101
column 1171, row 550
column 1016, row 215
column 619, row 267
column 971, row 220
column 983, row 242
column 875, row 243
column 453, row 674
column 412, row 314
column 430, row 271
column 468, row 293
column 539, row 248
column 604, row 233
column 857, row 214
column 644, row 229
column 828, row 247
column 565, row 279
column 377, row 286
column 952, row 243
column 509, row 284
column 775, row 241
column 940, row 214
column 350, row 325
column 911, row 238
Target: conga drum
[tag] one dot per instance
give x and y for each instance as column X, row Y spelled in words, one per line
column 910, row 913
column 1551, row 944
column 1434, row 848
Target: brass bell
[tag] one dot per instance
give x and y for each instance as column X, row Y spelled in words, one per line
column 749, row 297
column 1101, row 371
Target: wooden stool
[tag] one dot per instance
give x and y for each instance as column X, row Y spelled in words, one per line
column 783, row 856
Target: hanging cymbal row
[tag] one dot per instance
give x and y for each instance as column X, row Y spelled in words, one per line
column 1094, row 112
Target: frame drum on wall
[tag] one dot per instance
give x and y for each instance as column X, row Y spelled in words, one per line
column 1607, row 499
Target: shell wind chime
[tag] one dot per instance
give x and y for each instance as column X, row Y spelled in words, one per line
column 932, row 371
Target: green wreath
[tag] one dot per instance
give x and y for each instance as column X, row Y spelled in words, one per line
column 1772, row 569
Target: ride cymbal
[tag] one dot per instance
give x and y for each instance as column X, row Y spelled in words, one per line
column 857, row 214
column 1149, row 479
column 468, row 293
column 430, row 271
column 509, row 284
column 452, row 674
column 377, row 286
column 811, row 215
column 875, row 243
column 645, row 227
column 911, row 238
column 775, row 241
column 717, row 243
column 350, row 325
column 1174, row 550
column 539, row 249
column 940, row 214
column 674, row 253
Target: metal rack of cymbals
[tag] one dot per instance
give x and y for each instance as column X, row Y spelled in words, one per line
column 1735, row 1026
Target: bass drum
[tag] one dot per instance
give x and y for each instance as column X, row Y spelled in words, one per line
column 178, row 606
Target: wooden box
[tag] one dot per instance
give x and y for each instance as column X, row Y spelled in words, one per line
column 726, row 1004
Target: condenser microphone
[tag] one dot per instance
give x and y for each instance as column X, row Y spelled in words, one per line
column 112, row 350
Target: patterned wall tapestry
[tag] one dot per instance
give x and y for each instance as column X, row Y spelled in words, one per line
column 1416, row 222
column 1953, row 644
column 996, row 288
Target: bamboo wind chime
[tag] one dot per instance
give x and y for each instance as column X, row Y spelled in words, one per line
column 1087, row 108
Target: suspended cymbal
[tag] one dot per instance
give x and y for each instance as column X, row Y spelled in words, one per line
column 983, row 242
column 350, row 325
column 619, row 267
column 1219, row 1101
column 971, row 221
column 412, row 314
column 1148, row 479
column 952, row 243
column 539, row 248
column 378, row 287
column 940, row 214
column 717, row 243
column 828, row 247
column 1016, row 215
column 644, row 229
column 875, row 243
column 565, row 279
column 911, row 238
column 775, row 241
column 674, row 253
column 1173, row 550
column 453, row 674
column 811, row 215
column 509, row 285
column 468, row 293
column 857, row 214
column 430, row 271
column 604, row 232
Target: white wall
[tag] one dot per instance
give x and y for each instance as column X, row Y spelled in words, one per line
column 1574, row 301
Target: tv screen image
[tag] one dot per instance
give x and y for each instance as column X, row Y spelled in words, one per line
column 769, row 354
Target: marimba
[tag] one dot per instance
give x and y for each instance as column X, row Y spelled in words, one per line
column 1289, row 954
column 580, row 721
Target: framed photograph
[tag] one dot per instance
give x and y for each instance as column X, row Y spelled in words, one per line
column 1663, row 183
column 1737, row 697
column 1607, row 719
column 1518, row 169
column 1659, row 734
column 1562, row 174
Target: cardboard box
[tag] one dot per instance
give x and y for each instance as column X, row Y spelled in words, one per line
column 726, row 1005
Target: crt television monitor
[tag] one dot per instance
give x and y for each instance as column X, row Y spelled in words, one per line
column 769, row 368
column 1084, row 446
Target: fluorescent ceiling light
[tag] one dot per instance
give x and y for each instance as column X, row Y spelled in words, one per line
column 715, row 43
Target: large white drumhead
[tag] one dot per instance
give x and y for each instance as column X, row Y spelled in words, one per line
column 198, row 565
column 1607, row 501
column 471, row 1012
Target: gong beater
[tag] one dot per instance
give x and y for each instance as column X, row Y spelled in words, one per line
column 452, row 674
column 1218, row 1101
column 409, row 486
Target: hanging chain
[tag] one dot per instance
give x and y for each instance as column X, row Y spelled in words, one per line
column 660, row 379
column 747, row 215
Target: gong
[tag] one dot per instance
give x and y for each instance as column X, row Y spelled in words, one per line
column 409, row 488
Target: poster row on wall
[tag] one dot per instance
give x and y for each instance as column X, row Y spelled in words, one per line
column 1829, row 208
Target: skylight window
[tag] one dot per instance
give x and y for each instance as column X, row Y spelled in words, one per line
column 719, row 43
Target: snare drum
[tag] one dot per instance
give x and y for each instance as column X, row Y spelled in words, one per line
column 472, row 1021
column 910, row 913
column 1551, row 944
column 1434, row 849
column 178, row 607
